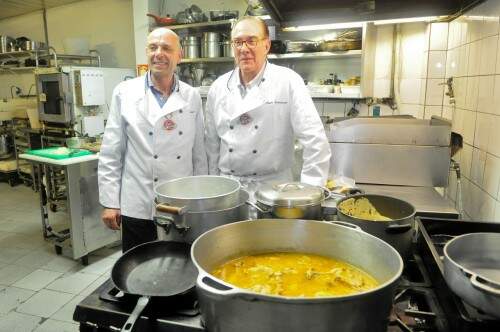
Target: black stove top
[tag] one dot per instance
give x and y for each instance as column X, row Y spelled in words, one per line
column 422, row 301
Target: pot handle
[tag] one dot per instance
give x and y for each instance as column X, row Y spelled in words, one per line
column 209, row 285
column 487, row 286
column 252, row 204
column 396, row 228
column 328, row 193
column 170, row 209
column 167, row 222
column 347, row 224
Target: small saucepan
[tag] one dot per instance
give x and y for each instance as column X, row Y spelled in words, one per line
column 397, row 230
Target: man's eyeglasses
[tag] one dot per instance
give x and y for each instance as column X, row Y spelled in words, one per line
column 251, row 43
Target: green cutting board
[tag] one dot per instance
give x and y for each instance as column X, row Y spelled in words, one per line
column 57, row 153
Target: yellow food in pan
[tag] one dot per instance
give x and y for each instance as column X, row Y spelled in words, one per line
column 295, row 275
column 361, row 208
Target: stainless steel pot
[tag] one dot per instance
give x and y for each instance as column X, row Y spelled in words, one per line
column 5, row 150
column 290, row 200
column 472, row 270
column 398, row 232
column 226, row 308
column 210, row 45
column 7, row 44
column 227, row 49
column 187, row 227
column 197, row 194
column 191, row 47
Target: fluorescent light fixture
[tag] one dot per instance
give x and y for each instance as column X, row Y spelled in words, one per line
column 409, row 20
column 325, row 26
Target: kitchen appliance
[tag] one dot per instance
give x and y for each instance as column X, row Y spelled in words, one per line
column 227, row 308
column 68, row 95
column 398, row 232
column 423, row 301
column 191, row 47
column 153, row 269
column 399, row 150
column 227, row 49
column 472, row 270
column 210, row 45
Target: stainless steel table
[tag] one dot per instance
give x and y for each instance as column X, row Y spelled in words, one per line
column 86, row 231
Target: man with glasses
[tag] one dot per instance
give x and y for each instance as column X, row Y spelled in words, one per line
column 254, row 114
column 154, row 133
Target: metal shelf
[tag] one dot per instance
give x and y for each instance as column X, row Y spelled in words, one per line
column 286, row 56
column 201, row 25
column 19, row 54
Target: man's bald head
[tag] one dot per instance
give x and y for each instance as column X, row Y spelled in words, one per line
column 163, row 51
column 159, row 32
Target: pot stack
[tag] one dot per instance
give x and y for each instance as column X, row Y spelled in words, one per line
column 188, row 207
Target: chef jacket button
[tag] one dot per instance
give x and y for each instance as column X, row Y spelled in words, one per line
column 156, row 179
column 155, row 156
column 180, row 132
column 230, row 150
column 180, row 111
column 256, row 127
column 232, row 171
column 254, row 174
column 178, row 157
column 150, row 133
column 231, row 127
column 254, row 151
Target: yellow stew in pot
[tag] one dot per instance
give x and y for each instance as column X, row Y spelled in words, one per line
column 295, row 275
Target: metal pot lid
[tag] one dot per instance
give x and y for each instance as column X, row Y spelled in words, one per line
column 289, row 194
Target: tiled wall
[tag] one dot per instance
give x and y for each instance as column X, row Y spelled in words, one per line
column 473, row 60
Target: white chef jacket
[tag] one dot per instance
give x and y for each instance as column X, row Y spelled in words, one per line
column 138, row 152
column 251, row 138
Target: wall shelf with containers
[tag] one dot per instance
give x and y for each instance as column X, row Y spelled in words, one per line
column 208, row 53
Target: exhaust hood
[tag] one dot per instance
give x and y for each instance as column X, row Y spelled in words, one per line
column 300, row 12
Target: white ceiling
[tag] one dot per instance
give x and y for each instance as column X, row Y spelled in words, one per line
column 10, row 8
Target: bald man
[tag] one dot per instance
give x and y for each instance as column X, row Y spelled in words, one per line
column 154, row 133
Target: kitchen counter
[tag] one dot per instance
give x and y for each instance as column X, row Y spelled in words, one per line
column 426, row 200
column 59, row 162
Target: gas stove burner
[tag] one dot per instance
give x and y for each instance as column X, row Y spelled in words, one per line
column 414, row 274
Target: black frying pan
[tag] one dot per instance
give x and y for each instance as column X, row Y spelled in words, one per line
column 157, row 268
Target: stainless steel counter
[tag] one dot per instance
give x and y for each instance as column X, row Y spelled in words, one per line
column 426, row 200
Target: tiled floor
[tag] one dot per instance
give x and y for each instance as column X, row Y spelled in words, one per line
column 39, row 289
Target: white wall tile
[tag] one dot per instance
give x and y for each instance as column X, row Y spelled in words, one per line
column 382, row 88
column 488, row 55
column 437, row 64
column 463, row 60
column 494, row 139
column 462, row 23
column 474, row 24
column 482, row 131
column 432, row 110
column 451, row 190
column 447, row 112
column 485, row 94
column 439, row 36
column 412, row 61
column 477, row 167
column 460, row 91
column 496, row 218
column 453, row 34
column 416, row 110
column 471, row 93
column 496, row 96
column 489, row 12
column 425, row 61
column 491, row 179
column 485, row 206
column 469, row 126
column 434, row 92
column 452, row 57
column 457, row 124
column 409, row 90
column 423, row 91
column 474, row 58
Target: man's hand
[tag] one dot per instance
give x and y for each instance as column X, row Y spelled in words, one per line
column 112, row 218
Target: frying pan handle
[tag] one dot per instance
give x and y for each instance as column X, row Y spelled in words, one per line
column 328, row 193
column 347, row 224
column 484, row 285
column 141, row 304
column 170, row 209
